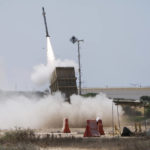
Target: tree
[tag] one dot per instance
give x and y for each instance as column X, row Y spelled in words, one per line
column 145, row 99
column 146, row 102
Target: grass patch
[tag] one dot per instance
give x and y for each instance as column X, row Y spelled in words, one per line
column 27, row 136
column 18, row 135
column 19, row 146
column 21, row 139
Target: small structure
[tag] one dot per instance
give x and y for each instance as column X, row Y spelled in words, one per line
column 126, row 132
column 63, row 79
column 91, row 129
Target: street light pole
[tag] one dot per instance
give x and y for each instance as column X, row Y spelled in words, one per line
column 74, row 40
column 79, row 66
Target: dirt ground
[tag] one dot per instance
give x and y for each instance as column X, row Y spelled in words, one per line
column 104, row 142
column 76, row 141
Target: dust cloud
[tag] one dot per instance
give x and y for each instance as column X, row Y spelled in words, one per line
column 49, row 111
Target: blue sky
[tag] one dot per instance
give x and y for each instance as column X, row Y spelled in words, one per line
column 116, row 50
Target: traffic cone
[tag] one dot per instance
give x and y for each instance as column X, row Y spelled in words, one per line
column 66, row 126
column 87, row 132
column 100, row 127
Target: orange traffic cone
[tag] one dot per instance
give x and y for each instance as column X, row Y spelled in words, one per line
column 87, row 132
column 100, row 127
column 66, row 126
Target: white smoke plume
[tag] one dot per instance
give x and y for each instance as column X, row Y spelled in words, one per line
column 50, row 53
column 41, row 73
column 49, row 112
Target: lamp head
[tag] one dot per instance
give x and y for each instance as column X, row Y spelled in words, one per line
column 73, row 39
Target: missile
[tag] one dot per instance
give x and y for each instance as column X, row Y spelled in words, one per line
column 44, row 15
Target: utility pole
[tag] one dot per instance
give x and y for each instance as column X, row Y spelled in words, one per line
column 112, row 118
column 118, row 117
column 75, row 40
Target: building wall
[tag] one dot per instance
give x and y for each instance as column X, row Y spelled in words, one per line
column 126, row 93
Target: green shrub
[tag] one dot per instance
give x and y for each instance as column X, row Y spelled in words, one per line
column 89, row 95
column 145, row 99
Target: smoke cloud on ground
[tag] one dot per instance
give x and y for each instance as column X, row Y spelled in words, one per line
column 49, row 112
